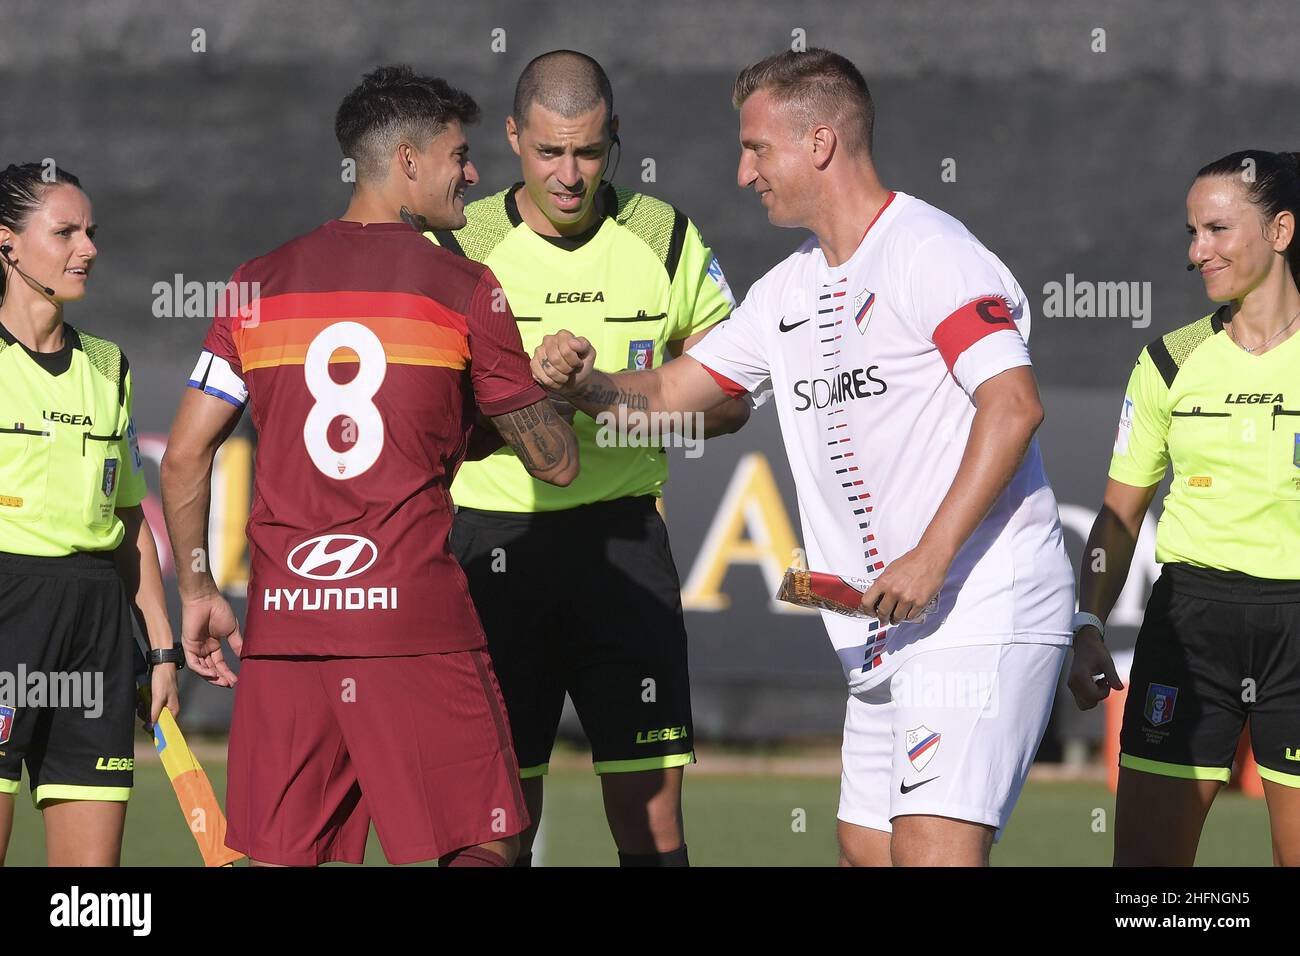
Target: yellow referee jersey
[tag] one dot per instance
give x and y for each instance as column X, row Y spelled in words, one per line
column 640, row 278
column 68, row 452
column 1229, row 423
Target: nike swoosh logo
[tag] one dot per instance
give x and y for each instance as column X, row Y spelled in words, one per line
column 904, row 788
column 790, row 328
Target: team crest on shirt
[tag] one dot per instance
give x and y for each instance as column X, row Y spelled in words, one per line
column 110, row 477
column 641, row 355
column 863, row 304
column 6, row 723
column 922, row 744
column 1159, row 707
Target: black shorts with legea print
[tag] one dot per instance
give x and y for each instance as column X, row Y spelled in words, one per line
column 1216, row 648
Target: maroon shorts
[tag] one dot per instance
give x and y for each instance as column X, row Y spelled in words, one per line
column 319, row 747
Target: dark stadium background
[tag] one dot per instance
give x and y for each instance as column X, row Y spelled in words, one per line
column 1068, row 161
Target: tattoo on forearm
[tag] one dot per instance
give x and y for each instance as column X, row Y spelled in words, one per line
column 535, row 434
column 414, row 220
column 601, row 395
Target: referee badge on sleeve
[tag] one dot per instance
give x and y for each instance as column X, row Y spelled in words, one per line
column 110, row 477
column 1125, row 427
column 133, row 441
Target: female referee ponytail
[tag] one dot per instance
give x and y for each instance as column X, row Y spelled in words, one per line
column 77, row 558
column 1219, row 400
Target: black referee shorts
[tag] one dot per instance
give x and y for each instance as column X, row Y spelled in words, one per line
column 1215, row 648
column 68, row 665
column 584, row 601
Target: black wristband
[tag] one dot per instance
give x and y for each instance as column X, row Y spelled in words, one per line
column 170, row 655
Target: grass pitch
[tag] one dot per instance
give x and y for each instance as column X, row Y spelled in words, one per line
column 731, row 820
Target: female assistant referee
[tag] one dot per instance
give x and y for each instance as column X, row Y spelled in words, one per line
column 77, row 558
column 1220, row 642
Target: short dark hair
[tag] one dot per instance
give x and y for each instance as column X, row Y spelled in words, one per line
column 1273, row 187
column 394, row 103
column 22, row 190
column 568, row 82
column 818, row 84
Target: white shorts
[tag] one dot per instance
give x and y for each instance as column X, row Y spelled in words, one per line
column 952, row 733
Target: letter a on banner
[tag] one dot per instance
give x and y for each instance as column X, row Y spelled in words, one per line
column 751, row 527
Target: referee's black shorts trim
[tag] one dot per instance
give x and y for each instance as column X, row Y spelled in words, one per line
column 587, row 602
column 1216, row 648
column 70, row 664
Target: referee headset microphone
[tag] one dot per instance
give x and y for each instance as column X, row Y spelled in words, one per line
column 613, row 141
column 4, row 253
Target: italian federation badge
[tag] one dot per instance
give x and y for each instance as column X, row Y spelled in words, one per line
column 641, row 355
column 1159, row 708
column 109, row 482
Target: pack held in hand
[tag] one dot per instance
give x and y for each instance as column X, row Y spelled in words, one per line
column 830, row 592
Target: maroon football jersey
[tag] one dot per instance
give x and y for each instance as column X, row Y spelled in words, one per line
column 362, row 351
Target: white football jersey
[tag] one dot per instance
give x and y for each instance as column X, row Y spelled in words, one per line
column 873, row 364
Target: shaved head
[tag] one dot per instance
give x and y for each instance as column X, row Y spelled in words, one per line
column 565, row 82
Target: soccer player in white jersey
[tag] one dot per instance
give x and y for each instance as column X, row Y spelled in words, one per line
column 895, row 344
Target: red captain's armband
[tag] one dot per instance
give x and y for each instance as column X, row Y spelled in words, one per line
column 733, row 389
column 974, row 320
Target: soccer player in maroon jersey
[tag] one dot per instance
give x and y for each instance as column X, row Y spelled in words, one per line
column 365, row 353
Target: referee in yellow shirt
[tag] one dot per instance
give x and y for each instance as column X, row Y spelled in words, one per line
column 77, row 558
column 1219, row 399
column 576, row 586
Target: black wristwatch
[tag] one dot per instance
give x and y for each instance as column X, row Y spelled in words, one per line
column 170, row 655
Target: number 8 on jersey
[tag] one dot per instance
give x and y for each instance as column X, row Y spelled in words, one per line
column 353, row 401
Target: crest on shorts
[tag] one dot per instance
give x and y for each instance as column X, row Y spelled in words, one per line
column 6, row 723
column 863, row 303
column 641, row 354
column 110, row 477
column 1159, row 707
column 922, row 745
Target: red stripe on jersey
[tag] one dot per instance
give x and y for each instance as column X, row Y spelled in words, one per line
column 974, row 320
column 358, row 305
column 732, row 389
